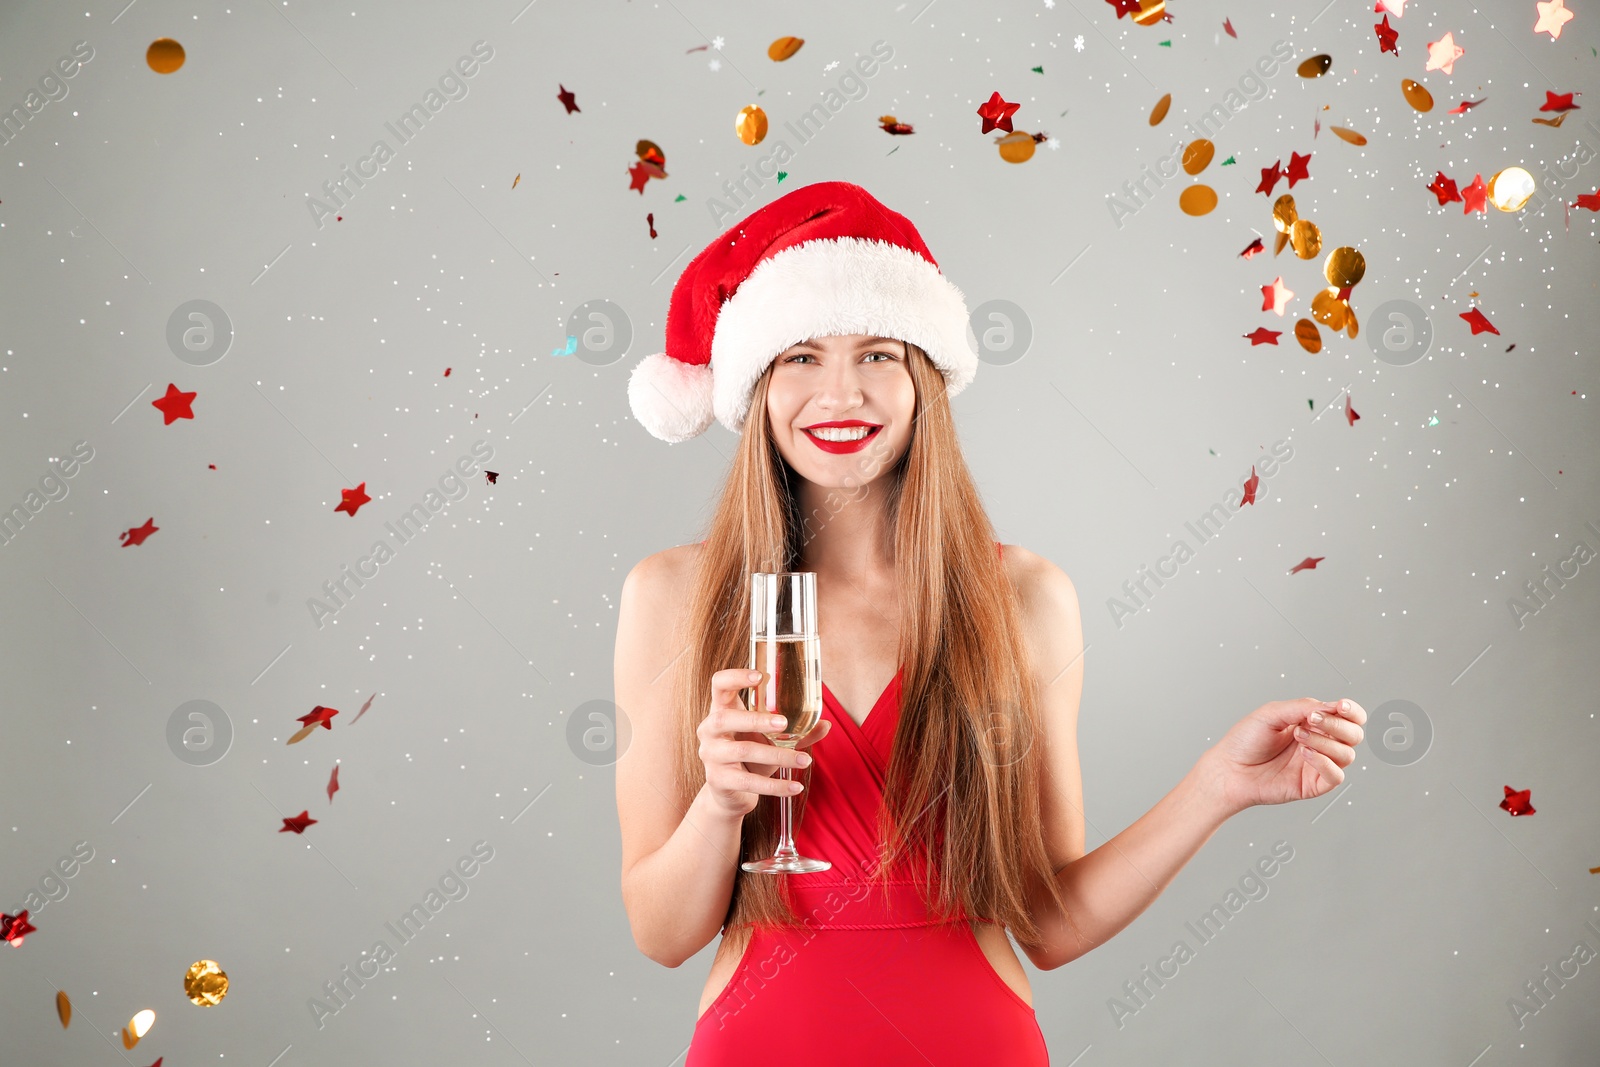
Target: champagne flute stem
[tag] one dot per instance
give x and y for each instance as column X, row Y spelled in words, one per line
column 785, row 809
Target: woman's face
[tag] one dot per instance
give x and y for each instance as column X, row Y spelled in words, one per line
column 854, row 380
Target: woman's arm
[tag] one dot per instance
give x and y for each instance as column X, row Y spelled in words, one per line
column 678, row 865
column 1110, row 887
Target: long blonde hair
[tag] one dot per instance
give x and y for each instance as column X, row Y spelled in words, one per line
column 969, row 724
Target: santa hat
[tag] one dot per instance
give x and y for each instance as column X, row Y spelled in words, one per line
column 823, row 260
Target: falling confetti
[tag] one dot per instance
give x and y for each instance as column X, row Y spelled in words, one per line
column 1307, row 564
column 63, row 1008
column 568, row 99
column 350, row 500
column 1443, row 53
column 1517, row 801
column 205, row 983
column 1310, row 338
column 996, row 113
column 1315, row 67
column 1349, row 135
column 1276, row 297
column 1250, row 485
column 1297, row 167
column 297, row 823
column 750, row 124
column 784, row 48
column 1479, row 322
column 13, row 928
column 333, row 783
column 1269, row 177
column 1465, row 106
column 1227, row 26
column 175, row 405
column 515, row 180
column 1444, row 188
column 1553, row 15
column 1252, row 248
column 363, row 710
column 1350, row 414
column 164, row 55
column 137, row 1027
column 138, row 534
column 1263, row 336
column 1558, row 101
column 1159, row 112
column 491, row 476
column 1416, row 95
column 320, row 716
column 1387, row 36
column 1475, row 197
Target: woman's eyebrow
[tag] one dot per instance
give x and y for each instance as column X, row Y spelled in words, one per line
column 811, row 343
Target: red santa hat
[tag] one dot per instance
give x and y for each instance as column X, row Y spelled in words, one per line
column 823, row 260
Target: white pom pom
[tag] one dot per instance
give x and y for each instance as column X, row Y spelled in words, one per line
column 671, row 398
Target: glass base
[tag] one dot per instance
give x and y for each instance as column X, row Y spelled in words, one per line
column 791, row 865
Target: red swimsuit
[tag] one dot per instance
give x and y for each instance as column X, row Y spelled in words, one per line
column 872, row 981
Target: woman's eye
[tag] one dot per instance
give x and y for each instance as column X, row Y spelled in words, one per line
column 804, row 355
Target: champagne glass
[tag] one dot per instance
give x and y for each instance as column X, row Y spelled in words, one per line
column 786, row 649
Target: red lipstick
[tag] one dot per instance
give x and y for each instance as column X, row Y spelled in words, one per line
column 842, row 447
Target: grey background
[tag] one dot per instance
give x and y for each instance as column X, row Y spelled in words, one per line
column 1413, row 907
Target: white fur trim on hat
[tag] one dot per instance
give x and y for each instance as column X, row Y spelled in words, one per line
column 829, row 287
column 671, row 398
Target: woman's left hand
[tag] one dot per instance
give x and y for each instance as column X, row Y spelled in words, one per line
column 1263, row 760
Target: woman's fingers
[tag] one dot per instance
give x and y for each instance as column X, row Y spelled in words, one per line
column 1337, row 751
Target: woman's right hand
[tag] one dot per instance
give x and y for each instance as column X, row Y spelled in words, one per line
column 735, row 745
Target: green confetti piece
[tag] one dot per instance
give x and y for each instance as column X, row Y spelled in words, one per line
column 1312, row 404
column 1433, row 420
column 1037, row 70
column 680, row 197
column 1212, row 451
column 1227, row 162
column 782, row 174
column 1166, row 44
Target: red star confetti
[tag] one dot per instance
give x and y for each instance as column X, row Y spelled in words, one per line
column 1517, row 801
column 1398, row 10
column 1558, row 101
column 1252, row 248
column 1387, row 36
column 1227, row 27
column 1298, row 165
column 1125, row 7
column 1276, row 297
column 638, row 175
column 1307, row 564
column 1269, row 177
column 363, row 710
column 492, row 476
column 569, row 100
column 136, row 535
column 1350, row 413
column 889, row 124
column 1475, row 197
column 1443, row 53
column 174, row 405
column 297, row 823
column 14, row 928
column 1478, row 322
column 996, row 113
column 1591, row 201
column 447, row 372
column 320, row 716
column 1263, row 336
column 1250, row 485
column 1552, row 16
column 1465, row 106
column 333, row 783
column 352, row 499
column 1444, row 188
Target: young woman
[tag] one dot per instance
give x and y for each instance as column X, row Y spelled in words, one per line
column 942, row 782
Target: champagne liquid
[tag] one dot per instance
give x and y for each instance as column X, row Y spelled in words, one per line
column 791, row 684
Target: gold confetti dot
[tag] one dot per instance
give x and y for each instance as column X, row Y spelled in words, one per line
column 1349, row 135
column 1284, row 214
column 783, row 48
column 1306, row 238
column 137, row 1027
column 1315, row 67
column 1159, row 112
column 1197, row 157
column 751, row 124
column 1328, row 309
column 1510, row 189
column 1197, row 200
column 205, row 983
column 1016, row 146
column 1150, row 12
column 164, row 55
column 1416, row 95
column 1310, row 338
column 63, row 1007
column 1344, row 267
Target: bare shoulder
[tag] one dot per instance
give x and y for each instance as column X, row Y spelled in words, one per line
column 662, row 574
column 1050, row 610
